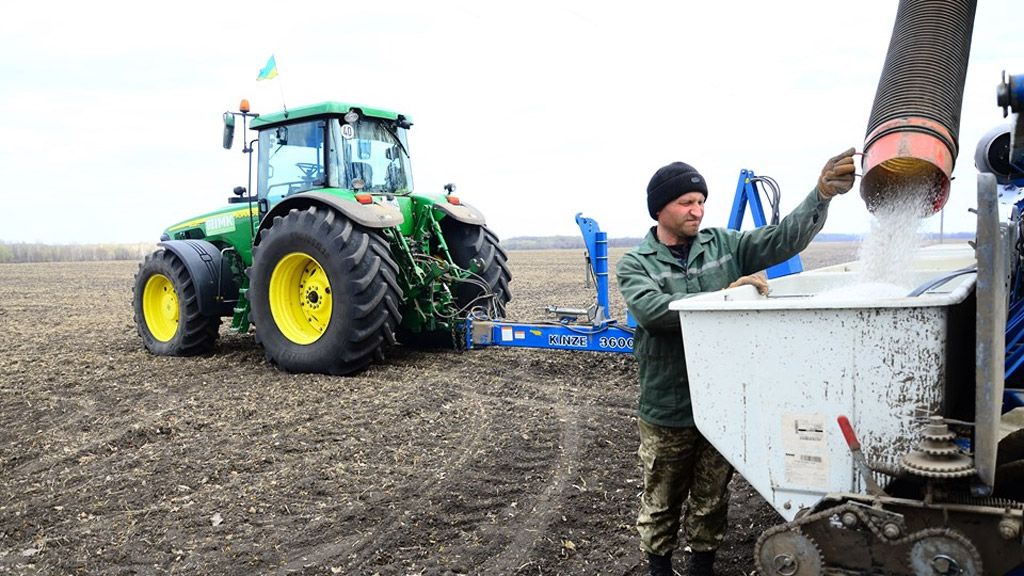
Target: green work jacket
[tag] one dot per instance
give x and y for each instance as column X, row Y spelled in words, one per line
column 650, row 277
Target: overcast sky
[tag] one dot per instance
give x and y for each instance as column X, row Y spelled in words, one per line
column 110, row 113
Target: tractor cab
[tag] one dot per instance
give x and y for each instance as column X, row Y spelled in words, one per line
column 331, row 145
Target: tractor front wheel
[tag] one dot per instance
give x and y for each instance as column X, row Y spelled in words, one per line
column 166, row 306
column 324, row 293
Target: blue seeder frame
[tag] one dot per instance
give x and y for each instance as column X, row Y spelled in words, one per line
column 601, row 334
column 747, row 192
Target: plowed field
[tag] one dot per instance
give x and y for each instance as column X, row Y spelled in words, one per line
column 113, row 461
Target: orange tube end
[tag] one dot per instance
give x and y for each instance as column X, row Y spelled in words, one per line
column 907, row 158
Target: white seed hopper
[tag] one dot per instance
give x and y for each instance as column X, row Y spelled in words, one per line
column 770, row 375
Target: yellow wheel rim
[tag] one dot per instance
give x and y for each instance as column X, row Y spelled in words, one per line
column 160, row 307
column 300, row 298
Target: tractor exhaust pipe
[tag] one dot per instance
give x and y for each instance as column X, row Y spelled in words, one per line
column 911, row 143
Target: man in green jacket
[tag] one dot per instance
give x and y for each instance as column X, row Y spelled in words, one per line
column 677, row 259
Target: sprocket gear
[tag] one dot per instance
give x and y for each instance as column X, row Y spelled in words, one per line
column 788, row 552
column 937, row 456
column 944, row 552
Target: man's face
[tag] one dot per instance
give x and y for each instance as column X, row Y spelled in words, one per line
column 682, row 216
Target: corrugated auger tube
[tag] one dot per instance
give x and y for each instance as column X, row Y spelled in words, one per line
column 912, row 137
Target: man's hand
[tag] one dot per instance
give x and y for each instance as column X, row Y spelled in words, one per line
column 837, row 175
column 756, row 280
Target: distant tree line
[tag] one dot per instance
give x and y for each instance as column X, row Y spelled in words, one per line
column 561, row 242
column 37, row 252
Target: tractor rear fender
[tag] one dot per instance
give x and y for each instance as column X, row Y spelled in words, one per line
column 215, row 287
column 462, row 213
column 368, row 215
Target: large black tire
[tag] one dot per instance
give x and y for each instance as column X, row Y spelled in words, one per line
column 323, row 292
column 166, row 305
column 469, row 242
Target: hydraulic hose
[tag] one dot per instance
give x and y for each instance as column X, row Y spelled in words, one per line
column 935, row 282
column 911, row 142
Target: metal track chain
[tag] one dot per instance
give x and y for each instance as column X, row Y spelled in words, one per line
column 865, row 520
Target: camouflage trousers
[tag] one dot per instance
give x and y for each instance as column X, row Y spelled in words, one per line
column 680, row 466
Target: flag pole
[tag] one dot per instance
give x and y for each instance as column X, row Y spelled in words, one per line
column 280, row 85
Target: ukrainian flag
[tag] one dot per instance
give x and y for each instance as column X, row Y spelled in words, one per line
column 269, row 71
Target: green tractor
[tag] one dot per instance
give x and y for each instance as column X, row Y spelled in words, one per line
column 333, row 260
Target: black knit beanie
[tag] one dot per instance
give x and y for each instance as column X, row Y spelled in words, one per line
column 671, row 182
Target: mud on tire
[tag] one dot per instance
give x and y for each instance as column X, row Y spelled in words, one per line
column 324, row 293
column 166, row 308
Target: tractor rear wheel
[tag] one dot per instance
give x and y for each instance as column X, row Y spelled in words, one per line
column 324, row 293
column 166, row 306
column 469, row 243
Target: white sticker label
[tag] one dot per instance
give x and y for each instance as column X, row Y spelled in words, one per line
column 348, row 132
column 220, row 225
column 806, row 449
column 506, row 333
column 520, row 335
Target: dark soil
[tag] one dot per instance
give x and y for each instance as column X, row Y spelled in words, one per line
column 114, row 461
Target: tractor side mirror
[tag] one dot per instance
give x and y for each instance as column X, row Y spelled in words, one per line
column 229, row 130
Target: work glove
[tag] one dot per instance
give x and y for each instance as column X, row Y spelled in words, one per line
column 756, row 280
column 837, row 175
